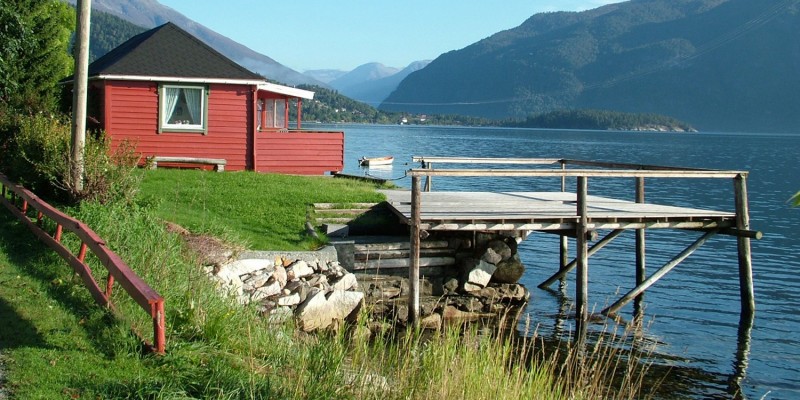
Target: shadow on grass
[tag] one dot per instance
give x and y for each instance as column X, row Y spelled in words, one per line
column 16, row 331
column 29, row 257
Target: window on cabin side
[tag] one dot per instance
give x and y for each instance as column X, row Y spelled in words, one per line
column 182, row 108
column 271, row 113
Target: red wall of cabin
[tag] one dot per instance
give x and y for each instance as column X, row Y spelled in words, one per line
column 131, row 112
column 304, row 152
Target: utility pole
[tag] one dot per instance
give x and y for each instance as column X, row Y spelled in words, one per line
column 79, row 92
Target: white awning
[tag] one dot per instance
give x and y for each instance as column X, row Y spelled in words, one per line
column 286, row 90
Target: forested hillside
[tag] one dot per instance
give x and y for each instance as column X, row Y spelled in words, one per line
column 108, row 32
column 717, row 64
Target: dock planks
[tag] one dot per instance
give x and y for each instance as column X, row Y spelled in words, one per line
column 546, row 211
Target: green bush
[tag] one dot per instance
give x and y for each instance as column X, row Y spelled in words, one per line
column 38, row 155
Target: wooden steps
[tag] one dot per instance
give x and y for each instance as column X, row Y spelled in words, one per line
column 339, row 213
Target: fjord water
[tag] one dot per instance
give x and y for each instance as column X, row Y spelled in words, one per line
column 693, row 321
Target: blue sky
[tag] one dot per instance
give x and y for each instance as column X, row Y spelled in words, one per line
column 325, row 34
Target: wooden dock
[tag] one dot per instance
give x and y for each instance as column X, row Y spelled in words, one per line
column 575, row 215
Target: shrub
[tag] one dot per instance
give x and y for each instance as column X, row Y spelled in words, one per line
column 38, row 156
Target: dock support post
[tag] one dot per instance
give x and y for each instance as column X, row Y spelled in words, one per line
column 564, row 240
column 641, row 266
column 582, row 278
column 743, row 245
column 413, row 271
column 428, row 179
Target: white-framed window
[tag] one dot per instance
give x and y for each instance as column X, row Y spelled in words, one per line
column 273, row 112
column 182, row 108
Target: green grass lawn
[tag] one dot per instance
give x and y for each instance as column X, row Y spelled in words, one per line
column 57, row 343
column 264, row 211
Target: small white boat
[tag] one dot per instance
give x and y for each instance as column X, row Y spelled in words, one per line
column 374, row 161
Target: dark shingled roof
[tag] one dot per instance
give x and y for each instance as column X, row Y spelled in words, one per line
column 169, row 51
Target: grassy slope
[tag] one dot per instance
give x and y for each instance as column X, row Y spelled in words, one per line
column 265, row 211
column 215, row 347
column 49, row 323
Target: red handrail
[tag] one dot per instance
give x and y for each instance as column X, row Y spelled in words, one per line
column 118, row 271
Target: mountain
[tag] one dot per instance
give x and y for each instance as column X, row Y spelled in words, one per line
column 729, row 65
column 150, row 13
column 324, row 75
column 371, row 83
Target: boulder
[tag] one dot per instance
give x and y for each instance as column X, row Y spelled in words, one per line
column 319, row 311
column 299, row 269
column 451, row 314
column 280, row 275
column 491, row 256
column 313, row 313
column 289, row 300
column 501, row 248
column 346, row 282
column 267, row 290
column 344, row 304
column 433, row 321
column 509, row 271
column 478, row 273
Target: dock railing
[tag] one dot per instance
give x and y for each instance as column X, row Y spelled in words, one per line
column 118, row 271
column 597, row 170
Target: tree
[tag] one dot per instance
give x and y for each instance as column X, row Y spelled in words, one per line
column 34, row 56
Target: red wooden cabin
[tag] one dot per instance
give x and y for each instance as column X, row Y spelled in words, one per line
column 174, row 96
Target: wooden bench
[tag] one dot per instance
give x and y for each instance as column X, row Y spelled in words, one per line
column 218, row 163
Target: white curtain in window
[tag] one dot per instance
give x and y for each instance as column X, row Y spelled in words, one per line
column 171, row 96
column 193, row 103
column 259, row 108
column 270, row 122
column 280, row 116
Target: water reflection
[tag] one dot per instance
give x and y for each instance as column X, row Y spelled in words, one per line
column 742, row 356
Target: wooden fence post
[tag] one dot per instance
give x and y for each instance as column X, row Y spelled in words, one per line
column 413, row 271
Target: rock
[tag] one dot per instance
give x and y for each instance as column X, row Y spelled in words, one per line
column 512, row 292
column 509, row 271
column 289, row 300
column 470, row 304
column 401, row 312
column 280, row 275
column 479, row 272
column 346, row 282
column 390, row 292
column 319, row 312
column 433, row 321
column 501, row 248
column 471, row 288
column 312, row 313
column 451, row 314
column 428, row 305
column 491, row 256
column 317, row 281
column 266, row 291
column 234, row 270
column 299, row 269
column 489, row 293
column 451, row 286
column 345, row 304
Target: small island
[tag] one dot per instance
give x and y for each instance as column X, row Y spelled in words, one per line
column 604, row 120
